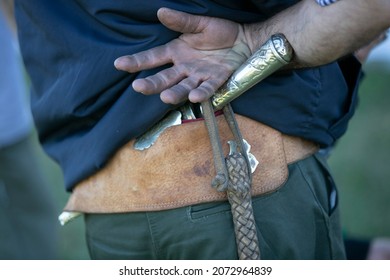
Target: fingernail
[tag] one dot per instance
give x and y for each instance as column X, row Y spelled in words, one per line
column 118, row 62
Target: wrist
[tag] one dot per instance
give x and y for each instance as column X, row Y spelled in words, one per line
column 255, row 36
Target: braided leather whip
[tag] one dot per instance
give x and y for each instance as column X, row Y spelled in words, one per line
column 233, row 175
column 239, row 196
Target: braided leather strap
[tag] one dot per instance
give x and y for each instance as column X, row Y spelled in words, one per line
column 272, row 55
column 239, row 196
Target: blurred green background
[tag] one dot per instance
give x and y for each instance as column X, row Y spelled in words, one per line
column 361, row 160
column 72, row 244
column 360, row 163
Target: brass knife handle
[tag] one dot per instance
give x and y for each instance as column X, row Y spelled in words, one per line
column 273, row 54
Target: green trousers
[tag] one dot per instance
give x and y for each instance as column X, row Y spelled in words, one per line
column 299, row 221
column 28, row 223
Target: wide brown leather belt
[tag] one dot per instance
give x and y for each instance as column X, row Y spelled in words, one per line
column 177, row 170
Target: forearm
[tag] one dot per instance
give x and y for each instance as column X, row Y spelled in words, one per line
column 210, row 49
column 321, row 35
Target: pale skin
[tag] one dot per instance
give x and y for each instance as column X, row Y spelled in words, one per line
column 210, row 49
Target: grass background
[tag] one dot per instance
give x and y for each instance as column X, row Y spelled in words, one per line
column 360, row 163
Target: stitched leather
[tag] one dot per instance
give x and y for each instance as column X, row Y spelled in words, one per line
column 178, row 169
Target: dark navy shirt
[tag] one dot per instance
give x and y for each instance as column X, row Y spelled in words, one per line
column 85, row 109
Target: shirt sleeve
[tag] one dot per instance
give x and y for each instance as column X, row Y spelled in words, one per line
column 325, row 2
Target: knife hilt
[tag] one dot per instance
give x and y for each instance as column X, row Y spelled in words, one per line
column 273, row 54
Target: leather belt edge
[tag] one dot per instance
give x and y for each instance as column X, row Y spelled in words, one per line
column 177, row 170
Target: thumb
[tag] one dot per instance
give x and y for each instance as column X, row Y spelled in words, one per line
column 180, row 21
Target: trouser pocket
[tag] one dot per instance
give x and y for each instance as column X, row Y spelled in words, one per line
column 297, row 222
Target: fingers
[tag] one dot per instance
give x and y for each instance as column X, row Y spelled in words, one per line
column 177, row 84
column 151, row 58
column 201, row 32
column 159, row 82
column 179, row 93
column 205, row 90
column 202, row 58
column 195, row 90
column 181, row 21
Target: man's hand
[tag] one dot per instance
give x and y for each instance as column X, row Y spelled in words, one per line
column 203, row 58
column 210, row 49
